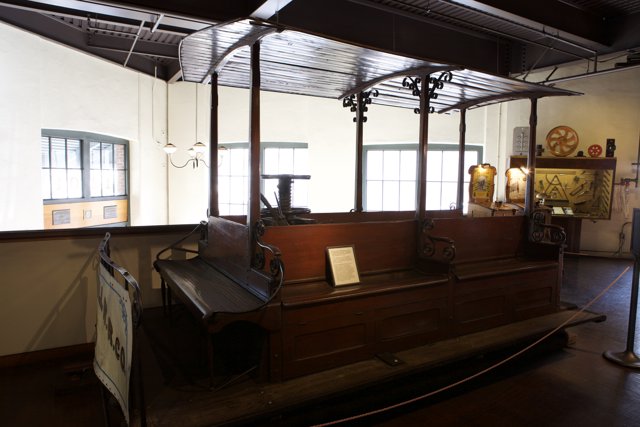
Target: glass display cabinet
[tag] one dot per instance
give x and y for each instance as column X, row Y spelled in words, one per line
column 578, row 187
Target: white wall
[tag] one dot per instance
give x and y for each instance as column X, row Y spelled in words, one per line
column 329, row 130
column 46, row 85
column 48, row 289
column 609, row 108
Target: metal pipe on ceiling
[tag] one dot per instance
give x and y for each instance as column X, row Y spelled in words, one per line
column 478, row 27
column 133, row 45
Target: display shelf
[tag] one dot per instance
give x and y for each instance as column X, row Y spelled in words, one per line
column 577, row 187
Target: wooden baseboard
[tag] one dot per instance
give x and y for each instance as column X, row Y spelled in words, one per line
column 40, row 356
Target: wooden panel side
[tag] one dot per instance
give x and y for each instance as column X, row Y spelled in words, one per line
column 379, row 246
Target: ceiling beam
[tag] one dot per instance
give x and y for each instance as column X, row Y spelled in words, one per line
column 565, row 20
column 123, row 44
column 57, row 31
column 269, row 8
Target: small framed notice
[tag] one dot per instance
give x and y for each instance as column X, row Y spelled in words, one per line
column 341, row 263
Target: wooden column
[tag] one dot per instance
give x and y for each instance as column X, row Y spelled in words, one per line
column 530, row 194
column 461, row 151
column 253, row 214
column 213, row 148
column 423, row 141
column 359, row 151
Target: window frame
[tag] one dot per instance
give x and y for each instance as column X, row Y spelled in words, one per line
column 85, row 139
column 405, row 147
column 263, row 146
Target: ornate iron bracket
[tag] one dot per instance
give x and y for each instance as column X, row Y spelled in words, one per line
column 276, row 266
column 430, row 243
column 540, row 231
column 351, row 102
column 435, row 83
column 438, row 83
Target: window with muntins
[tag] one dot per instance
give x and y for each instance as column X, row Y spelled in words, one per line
column 390, row 176
column 276, row 158
column 78, row 165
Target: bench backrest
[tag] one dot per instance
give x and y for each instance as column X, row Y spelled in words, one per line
column 378, row 246
column 480, row 238
column 228, row 250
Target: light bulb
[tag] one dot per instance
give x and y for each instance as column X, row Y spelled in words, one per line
column 199, row 147
column 169, row 148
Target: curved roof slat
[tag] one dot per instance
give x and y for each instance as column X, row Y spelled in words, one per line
column 305, row 64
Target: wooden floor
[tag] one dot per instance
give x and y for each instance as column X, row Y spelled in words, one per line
column 552, row 385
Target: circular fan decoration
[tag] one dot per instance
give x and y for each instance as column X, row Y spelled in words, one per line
column 562, row 141
column 594, row 150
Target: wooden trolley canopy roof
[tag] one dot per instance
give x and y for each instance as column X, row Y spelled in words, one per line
column 300, row 63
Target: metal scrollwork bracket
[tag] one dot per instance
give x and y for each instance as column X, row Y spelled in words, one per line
column 431, row 242
column 351, row 102
column 540, row 231
column 438, row 83
column 414, row 85
column 276, row 265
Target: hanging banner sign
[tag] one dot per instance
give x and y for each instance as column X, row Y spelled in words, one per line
column 114, row 338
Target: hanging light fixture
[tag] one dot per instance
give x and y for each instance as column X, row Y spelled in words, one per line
column 195, row 152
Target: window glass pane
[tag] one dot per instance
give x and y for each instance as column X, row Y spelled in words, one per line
column 107, row 156
column 408, row 165
column 94, row 155
column 407, row 195
column 74, row 156
column 236, row 189
column 391, row 164
column 223, row 190
column 95, row 179
column 374, row 195
column 450, row 166
column 224, row 162
column 74, row 183
column 390, row 195
column 121, row 182
column 434, row 165
column 120, row 159
column 470, row 159
column 46, row 184
column 374, row 164
column 449, row 194
column 286, row 160
column 44, row 151
column 271, row 161
column 301, row 193
column 301, row 161
column 237, row 162
column 59, row 183
column 58, row 153
column 237, row 209
column 270, row 190
column 107, row 183
column 433, row 195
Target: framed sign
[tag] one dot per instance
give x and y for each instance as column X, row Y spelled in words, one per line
column 342, row 267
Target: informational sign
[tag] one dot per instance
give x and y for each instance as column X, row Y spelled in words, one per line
column 342, row 263
column 114, row 338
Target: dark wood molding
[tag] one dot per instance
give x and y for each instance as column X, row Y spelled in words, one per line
column 33, row 357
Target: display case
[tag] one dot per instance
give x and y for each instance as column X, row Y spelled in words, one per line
column 578, row 187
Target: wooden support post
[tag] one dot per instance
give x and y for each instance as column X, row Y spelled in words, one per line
column 359, row 151
column 461, row 151
column 531, row 159
column 423, row 141
column 253, row 215
column 214, row 209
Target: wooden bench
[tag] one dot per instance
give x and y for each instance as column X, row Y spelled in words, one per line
column 220, row 285
column 397, row 305
column 498, row 275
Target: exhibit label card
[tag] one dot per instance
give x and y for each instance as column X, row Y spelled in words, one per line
column 342, row 262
